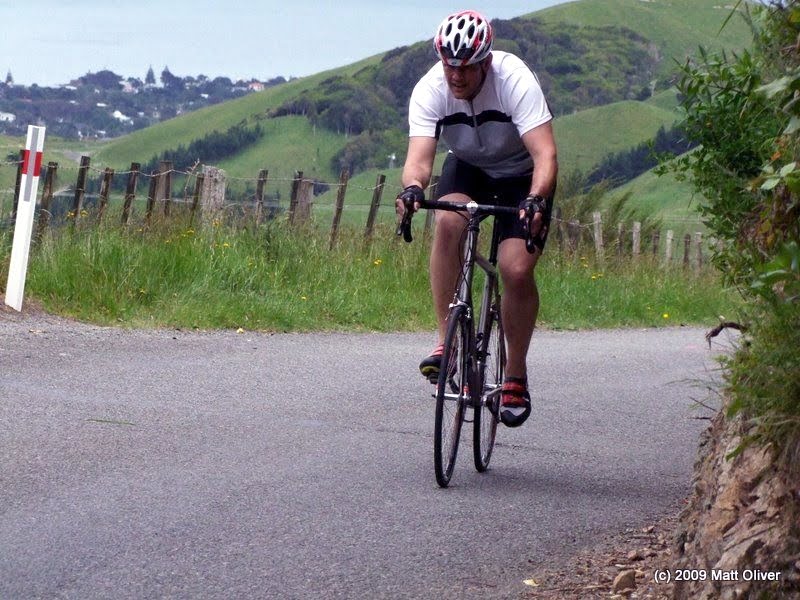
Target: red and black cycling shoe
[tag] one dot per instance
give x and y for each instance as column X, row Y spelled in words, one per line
column 515, row 401
column 431, row 365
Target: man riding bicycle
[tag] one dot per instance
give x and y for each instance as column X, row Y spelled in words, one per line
column 489, row 109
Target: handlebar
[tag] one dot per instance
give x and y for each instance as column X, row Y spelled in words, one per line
column 473, row 208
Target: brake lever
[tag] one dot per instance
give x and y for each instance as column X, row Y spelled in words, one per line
column 529, row 214
column 404, row 228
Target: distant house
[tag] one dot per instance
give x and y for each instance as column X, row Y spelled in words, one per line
column 120, row 117
column 255, row 86
column 7, row 117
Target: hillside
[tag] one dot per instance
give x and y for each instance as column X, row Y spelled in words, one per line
column 675, row 27
column 603, row 55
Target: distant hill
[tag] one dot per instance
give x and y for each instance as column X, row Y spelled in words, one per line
column 107, row 105
column 676, row 28
column 606, row 66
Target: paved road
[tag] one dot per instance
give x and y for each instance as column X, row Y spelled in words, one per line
column 222, row 465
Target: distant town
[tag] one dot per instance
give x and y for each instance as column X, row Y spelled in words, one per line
column 105, row 104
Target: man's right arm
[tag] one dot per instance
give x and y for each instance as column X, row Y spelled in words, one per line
column 419, row 162
column 418, row 166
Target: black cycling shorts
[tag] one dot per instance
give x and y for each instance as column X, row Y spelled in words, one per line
column 464, row 178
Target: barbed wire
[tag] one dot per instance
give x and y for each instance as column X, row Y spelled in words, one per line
column 276, row 181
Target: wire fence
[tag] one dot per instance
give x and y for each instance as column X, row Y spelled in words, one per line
column 83, row 193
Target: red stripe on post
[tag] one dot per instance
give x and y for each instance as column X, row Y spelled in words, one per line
column 37, row 163
column 26, row 161
column 37, row 167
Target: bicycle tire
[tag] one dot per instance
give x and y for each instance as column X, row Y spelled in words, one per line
column 491, row 379
column 452, row 395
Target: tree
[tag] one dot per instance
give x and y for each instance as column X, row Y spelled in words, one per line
column 9, row 79
column 150, row 78
column 170, row 81
column 104, row 80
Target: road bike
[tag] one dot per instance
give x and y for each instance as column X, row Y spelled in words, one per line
column 474, row 358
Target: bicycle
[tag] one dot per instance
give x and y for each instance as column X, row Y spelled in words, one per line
column 474, row 359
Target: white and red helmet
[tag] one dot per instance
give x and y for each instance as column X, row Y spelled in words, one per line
column 463, row 38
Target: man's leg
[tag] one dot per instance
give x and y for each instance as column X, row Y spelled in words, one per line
column 445, row 260
column 520, row 302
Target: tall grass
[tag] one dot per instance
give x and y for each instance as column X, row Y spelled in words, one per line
column 277, row 279
column 765, row 380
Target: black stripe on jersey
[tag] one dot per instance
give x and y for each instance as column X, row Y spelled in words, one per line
column 465, row 119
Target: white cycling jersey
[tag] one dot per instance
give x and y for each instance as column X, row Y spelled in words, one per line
column 486, row 131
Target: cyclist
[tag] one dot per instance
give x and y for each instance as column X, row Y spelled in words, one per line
column 490, row 110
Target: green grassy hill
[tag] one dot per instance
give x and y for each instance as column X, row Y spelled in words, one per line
column 584, row 138
column 676, row 27
column 142, row 145
column 290, row 143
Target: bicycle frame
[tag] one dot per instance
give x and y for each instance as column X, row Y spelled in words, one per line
column 490, row 295
column 472, row 258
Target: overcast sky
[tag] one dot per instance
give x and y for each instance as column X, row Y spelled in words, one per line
column 50, row 42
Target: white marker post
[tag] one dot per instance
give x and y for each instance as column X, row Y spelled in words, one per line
column 26, row 206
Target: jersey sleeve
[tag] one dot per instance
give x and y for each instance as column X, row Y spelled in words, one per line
column 527, row 104
column 424, row 111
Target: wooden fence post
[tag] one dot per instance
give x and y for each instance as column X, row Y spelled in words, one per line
column 598, row 235
column 556, row 227
column 105, row 186
column 298, row 177
column 262, row 182
column 377, row 194
column 305, row 201
column 198, row 188
column 130, row 192
column 620, row 238
column 80, row 189
column 151, row 197
column 687, row 244
column 47, row 199
column 656, row 242
column 698, row 250
column 668, row 249
column 574, row 234
column 164, row 189
column 344, row 176
column 213, row 194
column 17, row 186
column 637, row 238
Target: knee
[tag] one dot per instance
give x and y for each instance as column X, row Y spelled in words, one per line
column 517, row 274
column 449, row 228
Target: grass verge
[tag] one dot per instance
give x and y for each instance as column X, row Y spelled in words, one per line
column 276, row 279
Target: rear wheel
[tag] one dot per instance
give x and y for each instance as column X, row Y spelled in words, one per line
column 491, row 377
column 452, row 395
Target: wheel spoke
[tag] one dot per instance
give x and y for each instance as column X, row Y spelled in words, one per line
column 450, row 402
column 492, row 369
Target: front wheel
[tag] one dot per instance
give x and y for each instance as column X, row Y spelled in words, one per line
column 452, row 395
column 492, row 354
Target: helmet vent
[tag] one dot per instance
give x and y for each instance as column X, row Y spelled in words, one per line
column 463, row 38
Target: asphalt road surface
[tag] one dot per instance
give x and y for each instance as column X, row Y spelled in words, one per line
column 180, row 464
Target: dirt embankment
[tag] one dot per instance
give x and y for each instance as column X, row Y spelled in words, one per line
column 738, row 536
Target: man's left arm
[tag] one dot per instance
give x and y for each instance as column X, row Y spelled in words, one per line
column 541, row 144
